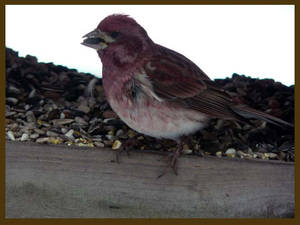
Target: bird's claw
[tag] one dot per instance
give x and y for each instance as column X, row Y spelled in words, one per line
column 119, row 151
column 125, row 148
column 173, row 159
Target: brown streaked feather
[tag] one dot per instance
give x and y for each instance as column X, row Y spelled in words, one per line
column 177, row 79
column 213, row 103
column 248, row 113
column 174, row 76
column 171, row 77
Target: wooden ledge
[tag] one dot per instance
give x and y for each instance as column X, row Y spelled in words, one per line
column 50, row 181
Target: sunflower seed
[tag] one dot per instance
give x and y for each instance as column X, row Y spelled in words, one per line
column 24, row 137
column 11, row 135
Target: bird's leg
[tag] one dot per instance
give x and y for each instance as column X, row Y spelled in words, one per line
column 128, row 144
column 173, row 158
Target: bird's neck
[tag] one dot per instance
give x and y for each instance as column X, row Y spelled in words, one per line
column 119, row 63
column 121, row 56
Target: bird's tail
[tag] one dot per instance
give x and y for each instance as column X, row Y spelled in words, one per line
column 248, row 113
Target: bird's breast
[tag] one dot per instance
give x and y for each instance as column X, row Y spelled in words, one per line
column 154, row 118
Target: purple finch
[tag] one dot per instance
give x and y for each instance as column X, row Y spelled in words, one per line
column 157, row 91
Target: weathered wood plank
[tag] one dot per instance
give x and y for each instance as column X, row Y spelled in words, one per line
column 59, row 181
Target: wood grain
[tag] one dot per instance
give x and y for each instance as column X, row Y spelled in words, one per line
column 49, row 181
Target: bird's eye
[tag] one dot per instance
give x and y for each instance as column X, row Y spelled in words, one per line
column 114, row 34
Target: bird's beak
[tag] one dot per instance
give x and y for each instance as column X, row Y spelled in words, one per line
column 97, row 39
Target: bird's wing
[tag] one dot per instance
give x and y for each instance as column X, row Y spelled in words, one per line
column 173, row 77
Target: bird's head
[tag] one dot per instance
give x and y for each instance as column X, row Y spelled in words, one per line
column 120, row 34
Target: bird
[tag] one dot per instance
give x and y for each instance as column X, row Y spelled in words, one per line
column 157, row 91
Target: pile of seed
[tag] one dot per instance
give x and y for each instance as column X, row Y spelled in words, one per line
column 52, row 104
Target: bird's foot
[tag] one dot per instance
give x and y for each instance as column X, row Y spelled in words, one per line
column 128, row 144
column 173, row 160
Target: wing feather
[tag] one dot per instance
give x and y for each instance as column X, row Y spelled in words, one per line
column 175, row 78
